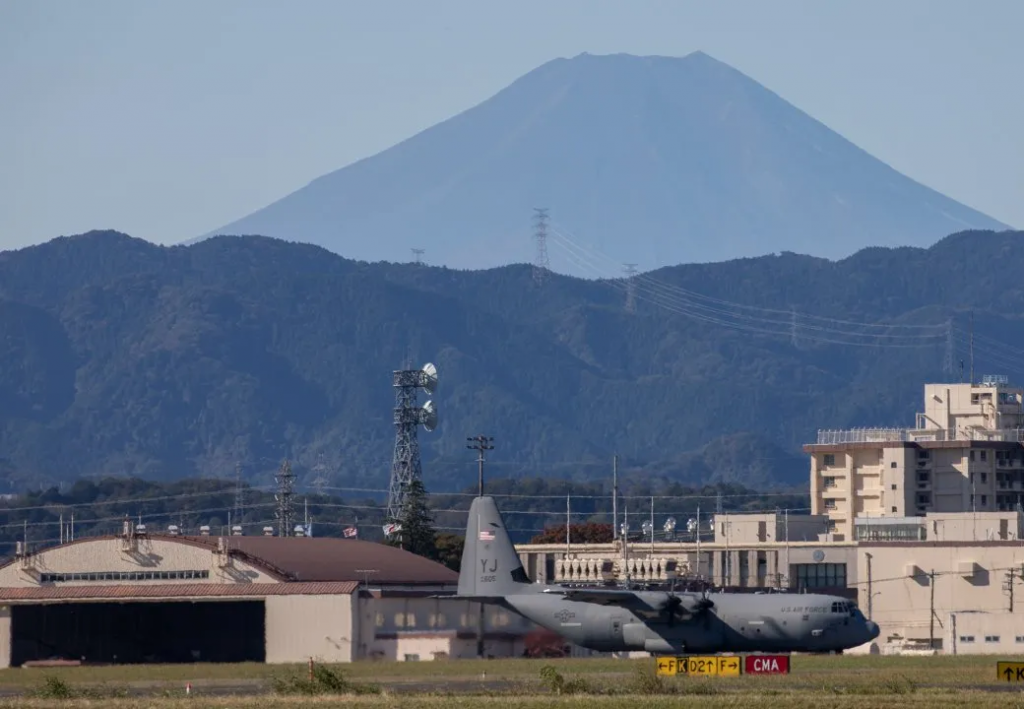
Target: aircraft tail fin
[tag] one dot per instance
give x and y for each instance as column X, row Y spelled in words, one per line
column 490, row 566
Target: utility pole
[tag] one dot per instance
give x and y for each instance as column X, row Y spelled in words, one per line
column 947, row 364
column 1009, row 586
column 871, row 595
column 698, row 542
column 239, row 492
column 480, row 444
column 972, row 348
column 615, row 497
column 931, row 588
column 568, row 523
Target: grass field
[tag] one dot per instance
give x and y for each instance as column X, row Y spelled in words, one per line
column 838, row 682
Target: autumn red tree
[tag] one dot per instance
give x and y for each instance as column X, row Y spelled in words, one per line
column 582, row 533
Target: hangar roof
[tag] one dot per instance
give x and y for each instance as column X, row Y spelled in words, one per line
column 178, row 590
column 325, row 559
column 334, row 559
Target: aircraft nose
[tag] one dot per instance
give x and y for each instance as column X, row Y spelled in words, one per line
column 873, row 629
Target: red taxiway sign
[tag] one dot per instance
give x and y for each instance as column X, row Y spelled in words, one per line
column 766, row 665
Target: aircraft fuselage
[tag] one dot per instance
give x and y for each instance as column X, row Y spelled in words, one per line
column 741, row 622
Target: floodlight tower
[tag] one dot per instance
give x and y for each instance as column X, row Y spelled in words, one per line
column 405, row 466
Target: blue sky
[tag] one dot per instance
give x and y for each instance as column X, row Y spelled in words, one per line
column 168, row 119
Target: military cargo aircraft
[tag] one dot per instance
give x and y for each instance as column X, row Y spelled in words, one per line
column 610, row 619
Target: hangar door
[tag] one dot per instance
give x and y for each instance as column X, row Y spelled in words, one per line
column 126, row 633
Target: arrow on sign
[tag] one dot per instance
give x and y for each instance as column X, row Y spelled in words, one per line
column 1009, row 673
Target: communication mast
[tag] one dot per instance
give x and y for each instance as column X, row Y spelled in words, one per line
column 418, row 255
column 285, row 480
column 405, row 466
column 540, row 235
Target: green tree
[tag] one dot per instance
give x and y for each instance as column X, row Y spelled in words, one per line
column 449, row 549
column 417, row 533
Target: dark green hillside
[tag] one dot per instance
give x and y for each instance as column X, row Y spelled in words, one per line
column 118, row 357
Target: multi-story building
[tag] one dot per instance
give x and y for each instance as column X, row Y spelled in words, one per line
column 963, row 454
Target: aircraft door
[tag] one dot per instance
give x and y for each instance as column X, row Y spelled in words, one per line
column 616, row 630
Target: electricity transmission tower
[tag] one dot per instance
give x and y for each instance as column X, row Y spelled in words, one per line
column 405, row 464
column 320, row 478
column 540, row 235
column 239, row 493
column 285, row 480
column 630, row 270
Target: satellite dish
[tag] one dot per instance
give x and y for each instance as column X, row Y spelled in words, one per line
column 428, row 416
column 670, row 524
column 430, row 377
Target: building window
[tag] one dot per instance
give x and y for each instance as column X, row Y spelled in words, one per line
column 892, row 464
column 984, row 455
column 828, row 482
column 984, row 478
column 820, row 575
column 1020, row 638
column 829, row 459
column 830, row 504
column 924, row 498
column 894, row 508
column 991, row 638
column 972, row 455
column 967, row 638
column 188, row 574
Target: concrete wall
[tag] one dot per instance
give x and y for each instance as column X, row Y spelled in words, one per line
column 398, row 626
column 115, row 555
column 968, row 577
column 751, row 529
column 301, row 627
column 5, row 636
column 984, row 634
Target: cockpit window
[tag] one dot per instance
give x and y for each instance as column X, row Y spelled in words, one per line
column 843, row 607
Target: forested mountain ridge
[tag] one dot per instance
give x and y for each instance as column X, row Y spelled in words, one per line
column 118, row 357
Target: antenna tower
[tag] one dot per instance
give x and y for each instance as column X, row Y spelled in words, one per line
column 285, row 480
column 405, row 465
column 540, row 235
column 418, row 255
column 630, row 270
column 320, row 479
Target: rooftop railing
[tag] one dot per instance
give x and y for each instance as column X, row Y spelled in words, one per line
column 888, row 435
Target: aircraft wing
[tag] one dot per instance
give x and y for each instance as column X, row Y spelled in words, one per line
column 603, row 596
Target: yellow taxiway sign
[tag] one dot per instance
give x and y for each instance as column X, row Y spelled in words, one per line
column 1010, row 671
